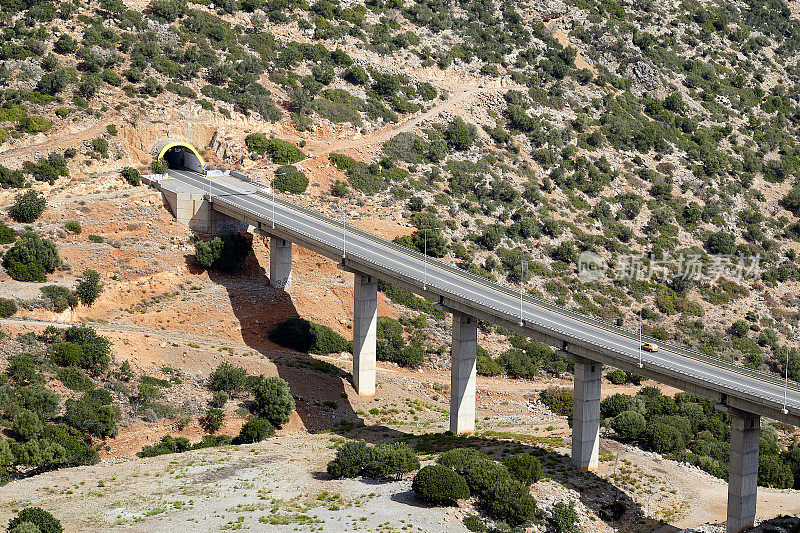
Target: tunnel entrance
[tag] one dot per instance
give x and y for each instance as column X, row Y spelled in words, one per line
column 178, row 154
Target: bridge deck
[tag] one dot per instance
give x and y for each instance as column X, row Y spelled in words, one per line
column 577, row 335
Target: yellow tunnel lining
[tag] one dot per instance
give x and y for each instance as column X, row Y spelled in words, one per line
column 185, row 145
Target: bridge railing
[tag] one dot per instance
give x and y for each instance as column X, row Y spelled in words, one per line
column 586, row 319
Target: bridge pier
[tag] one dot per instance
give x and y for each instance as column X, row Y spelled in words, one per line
column 743, row 476
column 586, row 415
column 280, row 263
column 463, row 373
column 365, row 324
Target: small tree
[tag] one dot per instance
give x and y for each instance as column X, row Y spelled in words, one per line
column 219, row 399
column 37, row 516
column 28, row 206
column 391, row 460
column 290, row 179
column 629, row 425
column 158, row 167
column 460, row 135
column 439, row 484
column 212, row 422
column 565, row 519
column 350, row 459
column 255, row 430
column 273, row 400
column 8, row 307
column 31, row 258
column 524, row 467
column 89, row 287
column 26, row 424
column 73, row 226
column 228, row 378
column 131, row 175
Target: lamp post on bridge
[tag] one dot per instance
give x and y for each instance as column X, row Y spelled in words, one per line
column 344, row 232
column 425, row 257
column 786, row 381
column 523, row 262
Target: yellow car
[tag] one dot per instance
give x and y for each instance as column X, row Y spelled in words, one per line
column 649, row 347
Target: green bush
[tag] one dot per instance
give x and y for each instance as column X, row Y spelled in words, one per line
column 60, row 297
column 290, row 179
column 226, row 253
column 486, row 366
column 629, row 425
column 304, row 336
column 564, row 519
column 279, row 151
column 28, row 206
column 7, row 234
column 483, row 476
column 524, row 467
column 96, row 348
column 459, row 459
column 617, row 376
column 439, row 484
column 26, row 424
column 34, row 124
column 518, row 364
column 131, row 175
column 350, row 460
column 11, row 178
column 31, row 258
column 93, row 413
column 212, row 421
column 158, row 167
column 100, row 146
column 255, row 430
column 74, row 378
column 510, row 501
column 558, row 400
column 228, row 378
column 663, row 438
column 8, row 307
column 773, row 472
column 356, row 458
column 273, row 400
column 89, row 287
column 460, row 135
column 168, row 444
column 615, row 404
column 73, row 227
column 48, row 169
column 391, row 461
column 23, row 370
column 37, row 516
column 219, row 399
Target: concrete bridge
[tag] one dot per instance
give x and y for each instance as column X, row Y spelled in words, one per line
column 206, row 203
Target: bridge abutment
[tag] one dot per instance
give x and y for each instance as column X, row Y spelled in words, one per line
column 463, row 373
column 365, row 325
column 586, row 415
column 743, row 477
column 280, row 263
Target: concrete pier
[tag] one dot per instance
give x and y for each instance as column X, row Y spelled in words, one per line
column 743, row 477
column 365, row 324
column 280, row 263
column 586, row 415
column 463, row 373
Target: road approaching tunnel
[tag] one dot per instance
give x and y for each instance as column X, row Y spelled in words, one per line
column 178, row 154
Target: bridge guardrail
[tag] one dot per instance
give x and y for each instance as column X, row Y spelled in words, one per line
column 691, row 354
